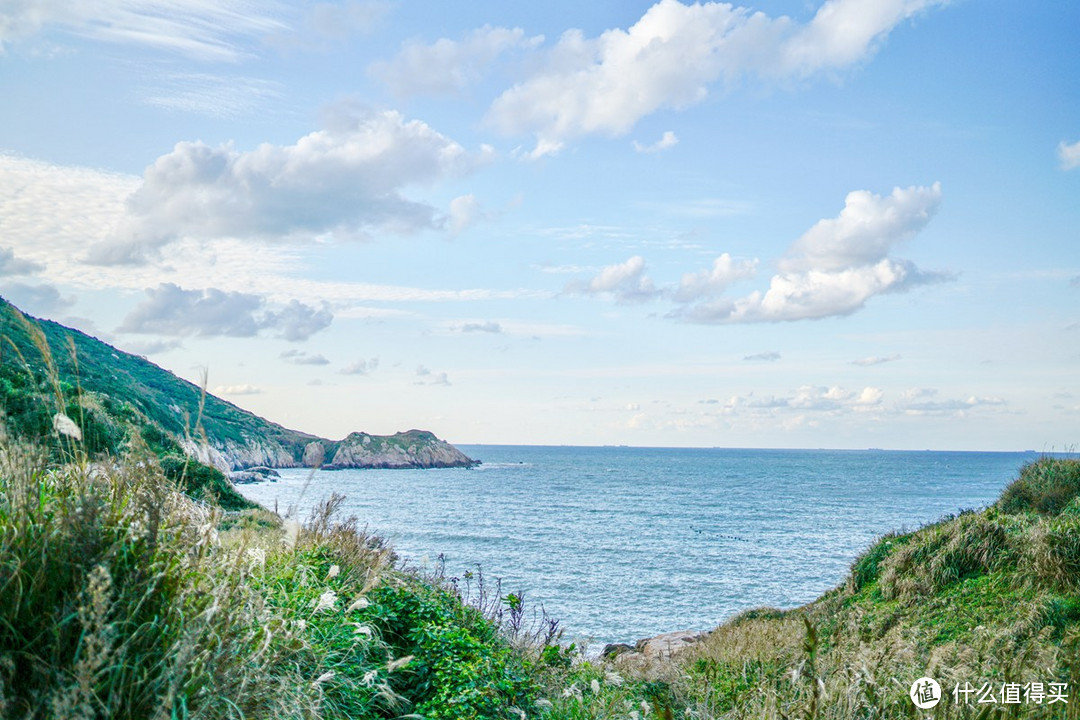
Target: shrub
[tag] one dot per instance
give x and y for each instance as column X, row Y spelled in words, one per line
column 1046, row 486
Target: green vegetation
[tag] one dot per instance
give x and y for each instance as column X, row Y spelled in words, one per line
column 136, row 583
column 110, row 392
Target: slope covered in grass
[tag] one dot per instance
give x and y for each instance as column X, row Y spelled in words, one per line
column 988, row 598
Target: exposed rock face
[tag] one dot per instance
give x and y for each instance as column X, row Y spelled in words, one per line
column 412, row 449
column 314, row 454
column 228, row 456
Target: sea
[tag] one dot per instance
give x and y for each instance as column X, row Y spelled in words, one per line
column 623, row 543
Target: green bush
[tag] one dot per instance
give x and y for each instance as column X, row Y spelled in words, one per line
column 460, row 668
column 202, row 482
column 1046, row 486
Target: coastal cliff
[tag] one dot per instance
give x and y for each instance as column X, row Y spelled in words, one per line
column 116, row 394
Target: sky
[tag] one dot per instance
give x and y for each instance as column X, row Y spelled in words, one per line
column 838, row 224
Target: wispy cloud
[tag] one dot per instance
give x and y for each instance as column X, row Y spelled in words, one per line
column 667, row 140
column 875, row 360
column 769, row 356
column 211, row 31
column 446, row 67
column 219, row 96
column 301, row 357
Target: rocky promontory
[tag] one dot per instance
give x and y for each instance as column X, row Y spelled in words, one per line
column 410, row 449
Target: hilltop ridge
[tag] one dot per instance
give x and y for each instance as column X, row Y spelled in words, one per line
column 109, row 390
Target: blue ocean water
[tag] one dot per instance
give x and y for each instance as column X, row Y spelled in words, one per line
column 622, row 543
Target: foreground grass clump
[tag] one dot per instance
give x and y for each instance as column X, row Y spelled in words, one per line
column 986, row 599
column 116, row 600
column 122, row 597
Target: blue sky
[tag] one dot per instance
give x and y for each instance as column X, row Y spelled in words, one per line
column 850, row 223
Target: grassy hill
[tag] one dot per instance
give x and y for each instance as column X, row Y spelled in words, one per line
column 110, row 393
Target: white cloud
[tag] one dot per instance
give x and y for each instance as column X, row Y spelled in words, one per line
column 865, row 231
column 836, row 266
column 196, row 28
column 345, row 180
column 671, row 56
column 668, row 139
column 1069, row 155
column 448, row 66
column 464, row 211
column 626, row 282
column 173, row 311
column 829, row 400
column 49, row 213
column 361, row 367
column 769, row 356
column 712, row 283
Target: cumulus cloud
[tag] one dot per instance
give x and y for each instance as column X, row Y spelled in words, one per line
column 626, row 282
column 11, row 266
column 297, row 321
column 300, row 357
column 674, row 53
column 830, row 400
column 345, row 180
column 1069, row 155
column 361, row 367
column 668, row 139
column 447, row 67
column 173, row 311
column 713, row 282
column 836, row 266
column 197, row 29
column 865, row 231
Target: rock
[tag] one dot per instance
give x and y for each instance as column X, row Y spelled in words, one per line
column 668, row 644
column 255, row 474
column 411, row 449
column 314, row 454
column 614, row 650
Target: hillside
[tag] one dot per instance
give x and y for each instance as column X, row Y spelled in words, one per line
column 120, row 391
